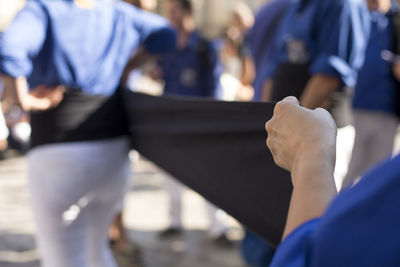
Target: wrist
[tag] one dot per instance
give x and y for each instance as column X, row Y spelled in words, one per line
column 314, row 160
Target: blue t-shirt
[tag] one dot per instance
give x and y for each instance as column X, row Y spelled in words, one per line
column 261, row 39
column 56, row 42
column 376, row 88
column 191, row 71
column 329, row 35
column 360, row 228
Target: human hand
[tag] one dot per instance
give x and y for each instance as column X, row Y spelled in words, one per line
column 42, row 98
column 301, row 138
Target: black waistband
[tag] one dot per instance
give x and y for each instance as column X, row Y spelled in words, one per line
column 80, row 117
column 290, row 80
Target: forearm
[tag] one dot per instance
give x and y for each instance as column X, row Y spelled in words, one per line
column 318, row 90
column 314, row 188
column 16, row 92
column 267, row 91
column 248, row 73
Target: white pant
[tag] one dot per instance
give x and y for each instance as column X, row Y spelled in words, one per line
column 374, row 141
column 175, row 191
column 75, row 190
column 3, row 126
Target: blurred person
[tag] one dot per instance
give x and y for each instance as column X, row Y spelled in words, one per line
column 78, row 164
column 191, row 69
column 242, row 19
column 320, row 47
column 261, row 40
column 375, row 100
column 323, row 228
column 125, row 250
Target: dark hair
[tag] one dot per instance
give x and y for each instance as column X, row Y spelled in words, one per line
column 185, row 4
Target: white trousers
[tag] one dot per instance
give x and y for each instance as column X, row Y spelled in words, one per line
column 3, row 126
column 175, row 191
column 374, row 141
column 75, row 191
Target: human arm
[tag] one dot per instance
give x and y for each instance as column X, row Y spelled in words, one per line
column 396, row 70
column 21, row 41
column 40, row 98
column 318, row 90
column 246, row 91
column 342, row 33
column 156, row 35
column 267, row 90
column 302, row 141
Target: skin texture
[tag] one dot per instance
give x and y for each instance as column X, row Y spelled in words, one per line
column 40, row 98
column 319, row 90
column 303, row 141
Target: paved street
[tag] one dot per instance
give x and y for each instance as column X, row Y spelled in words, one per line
column 145, row 215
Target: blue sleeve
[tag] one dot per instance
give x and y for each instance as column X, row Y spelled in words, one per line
column 342, row 38
column 22, row 40
column 156, row 34
column 294, row 251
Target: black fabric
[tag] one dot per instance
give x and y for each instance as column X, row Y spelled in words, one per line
column 218, row 149
column 80, row 117
column 290, row 80
column 396, row 45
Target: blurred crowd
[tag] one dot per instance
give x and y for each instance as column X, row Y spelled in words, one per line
column 342, row 55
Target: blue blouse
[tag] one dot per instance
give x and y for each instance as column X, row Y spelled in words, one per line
column 330, row 35
column 360, row 228
column 57, row 42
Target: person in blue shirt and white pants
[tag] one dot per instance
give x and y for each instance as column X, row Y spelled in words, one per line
column 72, row 54
column 375, row 100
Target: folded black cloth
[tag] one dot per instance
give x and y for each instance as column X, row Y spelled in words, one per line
column 218, row 149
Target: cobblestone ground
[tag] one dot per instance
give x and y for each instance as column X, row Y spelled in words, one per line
column 145, row 216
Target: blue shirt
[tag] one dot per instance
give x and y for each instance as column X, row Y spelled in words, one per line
column 329, row 35
column 191, row 71
column 261, row 40
column 360, row 228
column 376, row 87
column 57, row 42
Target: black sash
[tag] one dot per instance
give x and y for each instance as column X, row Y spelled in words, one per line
column 216, row 148
column 80, row 117
column 290, row 80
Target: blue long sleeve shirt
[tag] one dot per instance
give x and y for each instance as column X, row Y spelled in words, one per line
column 376, row 88
column 329, row 35
column 57, row 42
